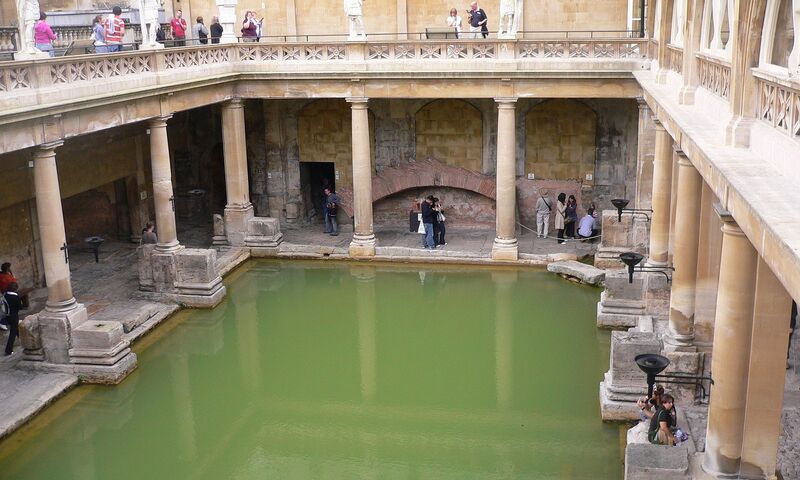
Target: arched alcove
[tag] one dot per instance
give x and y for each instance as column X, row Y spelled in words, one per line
column 450, row 131
column 560, row 140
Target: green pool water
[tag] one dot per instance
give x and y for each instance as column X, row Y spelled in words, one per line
column 322, row 370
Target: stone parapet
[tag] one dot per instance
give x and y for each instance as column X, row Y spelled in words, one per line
column 263, row 236
column 624, row 383
column 621, row 303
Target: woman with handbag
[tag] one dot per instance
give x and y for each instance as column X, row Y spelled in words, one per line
column 561, row 208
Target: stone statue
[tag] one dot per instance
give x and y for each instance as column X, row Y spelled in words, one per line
column 794, row 58
column 678, row 22
column 27, row 16
column 353, row 10
column 510, row 11
column 717, row 11
column 148, row 16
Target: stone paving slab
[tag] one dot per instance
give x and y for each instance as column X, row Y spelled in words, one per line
column 585, row 273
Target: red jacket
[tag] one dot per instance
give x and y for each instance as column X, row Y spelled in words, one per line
column 178, row 28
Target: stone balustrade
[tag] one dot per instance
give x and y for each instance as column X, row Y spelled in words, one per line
column 779, row 103
column 715, row 74
column 25, row 83
column 675, row 59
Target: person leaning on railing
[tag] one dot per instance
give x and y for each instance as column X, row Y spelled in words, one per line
column 216, row 30
column 250, row 27
column 43, row 35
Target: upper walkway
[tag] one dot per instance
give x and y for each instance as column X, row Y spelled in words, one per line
column 53, row 99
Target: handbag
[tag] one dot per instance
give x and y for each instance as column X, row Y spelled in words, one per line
column 421, row 228
column 440, row 217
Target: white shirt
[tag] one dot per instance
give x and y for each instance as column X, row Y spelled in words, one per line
column 454, row 22
column 585, row 226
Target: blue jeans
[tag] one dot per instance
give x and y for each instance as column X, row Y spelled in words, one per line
column 113, row 47
column 427, row 240
column 331, row 226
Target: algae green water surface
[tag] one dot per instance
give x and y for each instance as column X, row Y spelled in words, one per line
column 344, row 371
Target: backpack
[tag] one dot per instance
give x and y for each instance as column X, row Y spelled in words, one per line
column 4, row 308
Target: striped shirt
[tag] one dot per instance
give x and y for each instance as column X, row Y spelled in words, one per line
column 114, row 28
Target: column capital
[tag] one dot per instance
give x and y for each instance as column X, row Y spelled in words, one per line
column 677, row 149
column 47, row 149
column 357, row 102
column 642, row 103
column 233, row 102
column 727, row 220
column 659, row 126
column 159, row 122
column 505, row 102
column 683, row 160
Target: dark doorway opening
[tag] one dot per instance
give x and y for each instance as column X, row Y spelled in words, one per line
column 314, row 177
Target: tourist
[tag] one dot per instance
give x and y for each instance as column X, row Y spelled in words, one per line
column 200, row 32
column 14, row 304
column 331, row 209
column 597, row 224
column 114, row 30
column 543, row 207
column 149, row 235
column 43, row 35
column 216, row 30
column 663, row 423
column 454, row 21
column 649, row 406
column 439, row 229
column 6, row 279
column 250, row 27
column 428, row 217
column 179, row 27
column 477, row 21
column 561, row 216
column 99, row 35
column 586, row 225
column 571, row 216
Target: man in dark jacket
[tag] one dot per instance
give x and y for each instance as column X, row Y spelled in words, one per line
column 216, row 30
column 428, row 217
column 331, row 209
column 14, row 304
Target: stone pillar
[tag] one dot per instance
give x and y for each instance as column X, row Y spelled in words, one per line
column 51, row 230
column 691, row 45
column 644, row 157
column 766, row 376
column 729, row 364
column 505, row 242
column 363, row 243
column 162, row 186
column 708, row 258
column 662, row 187
column 676, row 152
column 687, row 222
column 238, row 210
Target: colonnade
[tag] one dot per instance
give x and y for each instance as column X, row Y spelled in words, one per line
column 751, row 322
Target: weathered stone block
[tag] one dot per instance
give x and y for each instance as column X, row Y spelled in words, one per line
column 236, row 219
column 688, row 364
column 164, row 271
column 145, row 264
column 621, row 303
column 263, row 236
column 30, row 337
column 574, row 269
column 55, row 330
column 198, row 283
column 219, row 237
column 624, row 383
column 645, row 461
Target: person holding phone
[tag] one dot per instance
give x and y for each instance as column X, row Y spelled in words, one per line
column 477, row 21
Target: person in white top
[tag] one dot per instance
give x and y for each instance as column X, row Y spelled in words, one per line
column 454, row 21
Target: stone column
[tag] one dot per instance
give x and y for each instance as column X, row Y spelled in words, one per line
column 644, row 156
column 51, row 229
column 238, row 210
column 162, row 186
column 733, row 325
column 662, row 187
column 505, row 242
column 687, row 222
column 762, row 419
column 691, row 45
column 676, row 152
column 363, row 244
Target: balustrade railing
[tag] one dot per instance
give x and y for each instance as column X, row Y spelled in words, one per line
column 779, row 103
column 19, row 75
column 675, row 59
column 715, row 74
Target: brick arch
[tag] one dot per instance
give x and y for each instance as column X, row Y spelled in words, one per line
column 425, row 173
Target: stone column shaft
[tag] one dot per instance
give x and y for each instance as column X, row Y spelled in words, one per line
column 662, row 187
column 733, row 325
column 363, row 243
column 687, row 222
column 51, row 229
column 505, row 242
column 238, row 210
column 765, row 382
column 162, row 186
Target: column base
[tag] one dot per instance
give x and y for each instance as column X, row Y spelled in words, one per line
column 661, row 75
column 67, row 342
column 505, row 249
column 263, row 236
column 686, row 95
column 737, row 132
column 674, row 342
column 236, row 218
column 362, row 245
column 168, row 248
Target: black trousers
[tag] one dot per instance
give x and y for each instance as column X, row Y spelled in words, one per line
column 13, row 333
column 560, row 235
column 438, row 233
column 570, row 227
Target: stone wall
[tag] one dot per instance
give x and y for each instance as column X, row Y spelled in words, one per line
column 450, row 131
column 463, row 208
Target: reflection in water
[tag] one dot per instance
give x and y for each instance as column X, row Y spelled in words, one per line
column 312, row 370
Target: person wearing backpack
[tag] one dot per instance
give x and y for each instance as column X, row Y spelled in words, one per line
column 12, row 299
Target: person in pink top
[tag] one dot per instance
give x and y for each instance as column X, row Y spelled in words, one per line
column 43, row 35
